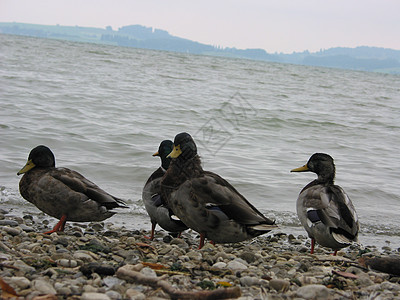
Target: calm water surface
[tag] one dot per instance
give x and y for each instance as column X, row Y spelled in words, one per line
column 103, row 111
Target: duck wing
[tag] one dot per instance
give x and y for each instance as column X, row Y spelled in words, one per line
column 211, row 190
column 331, row 206
column 78, row 183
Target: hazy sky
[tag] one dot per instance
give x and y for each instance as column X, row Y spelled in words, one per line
column 273, row 25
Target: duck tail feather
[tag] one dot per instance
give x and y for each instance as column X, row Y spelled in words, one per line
column 264, row 227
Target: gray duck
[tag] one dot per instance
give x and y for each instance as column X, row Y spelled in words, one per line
column 324, row 209
column 158, row 211
column 206, row 202
column 63, row 193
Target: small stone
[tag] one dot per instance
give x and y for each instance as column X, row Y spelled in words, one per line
column 195, row 255
column 219, row 265
column 83, row 256
column 62, row 241
column 9, row 223
column 21, row 282
column 236, row 265
column 165, row 250
column 167, row 239
column 26, row 228
column 148, row 272
column 388, row 286
column 249, row 281
column 94, row 267
column 313, row 291
column 68, row 263
column 94, row 296
column 134, row 295
column 114, row 295
column 12, row 231
column 279, row 285
column 43, row 286
column 24, row 267
column 249, row 257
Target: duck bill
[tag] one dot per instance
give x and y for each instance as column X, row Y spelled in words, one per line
column 301, row 169
column 175, row 152
column 29, row 165
column 156, row 154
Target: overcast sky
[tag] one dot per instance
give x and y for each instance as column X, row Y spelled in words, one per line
column 273, row 25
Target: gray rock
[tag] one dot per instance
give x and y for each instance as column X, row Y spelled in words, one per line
column 390, row 286
column 68, row 263
column 26, row 228
column 94, row 296
column 249, row 281
column 114, row 295
column 9, row 223
column 148, row 272
column 83, row 256
column 249, row 257
column 313, row 291
column 236, row 265
column 21, row 282
column 219, row 265
column 279, row 285
column 24, row 267
column 135, row 295
column 43, row 286
column 14, row 231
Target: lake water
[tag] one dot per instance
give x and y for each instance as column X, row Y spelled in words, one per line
column 103, row 110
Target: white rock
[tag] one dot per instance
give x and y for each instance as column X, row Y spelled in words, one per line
column 219, row 265
column 389, row 286
column 83, row 256
column 148, row 272
column 249, row 281
column 134, row 295
column 43, row 286
column 68, row 263
column 236, row 265
column 21, row 282
column 114, row 295
column 94, row 296
column 313, row 291
column 24, row 267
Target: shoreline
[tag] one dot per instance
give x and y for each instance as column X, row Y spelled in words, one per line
column 92, row 260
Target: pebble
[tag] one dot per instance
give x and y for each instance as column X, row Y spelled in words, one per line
column 279, row 285
column 236, row 265
column 313, row 291
column 94, row 296
column 81, row 262
column 43, row 286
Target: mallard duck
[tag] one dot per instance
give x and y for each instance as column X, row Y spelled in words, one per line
column 206, row 202
column 159, row 213
column 324, row 209
column 63, row 193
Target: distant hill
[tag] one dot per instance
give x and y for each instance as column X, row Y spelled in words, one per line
column 359, row 58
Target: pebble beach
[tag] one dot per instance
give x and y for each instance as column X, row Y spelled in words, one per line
column 102, row 261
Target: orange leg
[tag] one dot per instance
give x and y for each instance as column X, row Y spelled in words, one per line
column 312, row 245
column 153, row 227
column 202, row 237
column 59, row 226
column 334, row 253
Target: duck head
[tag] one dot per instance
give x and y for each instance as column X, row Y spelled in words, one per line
column 322, row 164
column 184, row 147
column 164, row 149
column 40, row 156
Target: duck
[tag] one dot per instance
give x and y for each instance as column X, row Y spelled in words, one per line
column 63, row 193
column 157, row 209
column 207, row 203
column 324, row 209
